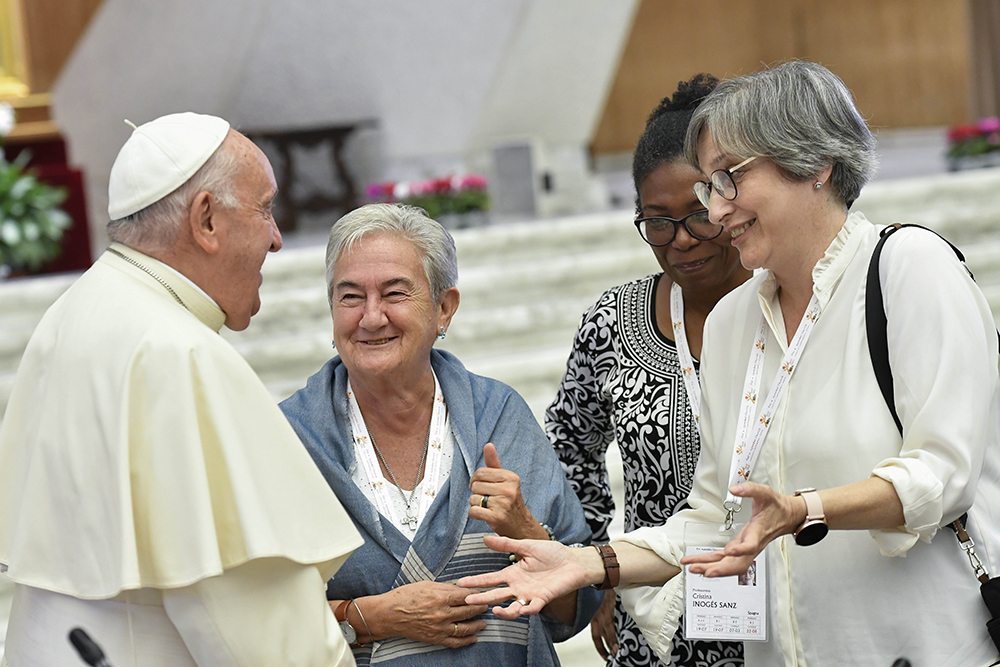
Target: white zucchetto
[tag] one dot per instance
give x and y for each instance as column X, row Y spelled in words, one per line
column 159, row 157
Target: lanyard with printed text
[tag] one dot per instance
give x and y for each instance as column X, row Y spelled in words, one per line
column 750, row 436
column 684, row 350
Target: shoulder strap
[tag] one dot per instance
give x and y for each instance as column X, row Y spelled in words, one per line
column 878, row 344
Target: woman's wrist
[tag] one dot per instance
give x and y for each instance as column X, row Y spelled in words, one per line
column 363, row 616
column 593, row 565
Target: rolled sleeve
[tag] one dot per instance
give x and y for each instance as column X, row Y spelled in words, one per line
column 657, row 610
column 944, row 366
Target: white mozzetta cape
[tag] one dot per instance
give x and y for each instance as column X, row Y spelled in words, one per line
column 859, row 597
column 141, row 451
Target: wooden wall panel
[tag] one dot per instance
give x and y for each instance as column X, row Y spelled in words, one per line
column 907, row 61
column 52, row 28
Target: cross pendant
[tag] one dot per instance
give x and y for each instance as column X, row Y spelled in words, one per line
column 409, row 519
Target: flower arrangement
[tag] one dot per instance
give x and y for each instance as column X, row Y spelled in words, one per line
column 969, row 139
column 31, row 222
column 438, row 196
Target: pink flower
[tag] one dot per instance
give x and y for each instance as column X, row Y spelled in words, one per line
column 472, row 182
column 380, row 192
column 988, row 125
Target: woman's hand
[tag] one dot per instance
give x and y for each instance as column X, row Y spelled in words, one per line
column 546, row 571
column 426, row 611
column 504, row 509
column 602, row 627
column 774, row 515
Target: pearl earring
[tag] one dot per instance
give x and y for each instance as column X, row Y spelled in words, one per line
column 442, row 333
column 818, row 184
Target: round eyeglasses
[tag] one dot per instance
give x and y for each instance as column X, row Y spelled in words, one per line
column 659, row 231
column 722, row 182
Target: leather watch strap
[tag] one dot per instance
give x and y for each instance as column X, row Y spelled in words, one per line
column 611, row 569
column 340, row 613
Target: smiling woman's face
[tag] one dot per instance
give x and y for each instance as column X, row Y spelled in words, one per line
column 694, row 265
column 384, row 319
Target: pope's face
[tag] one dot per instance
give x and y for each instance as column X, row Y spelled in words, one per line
column 250, row 234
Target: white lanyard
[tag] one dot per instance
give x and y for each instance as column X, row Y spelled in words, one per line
column 747, row 446
column 684, row 350
column 365, row 453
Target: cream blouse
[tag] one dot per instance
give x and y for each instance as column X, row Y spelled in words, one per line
column 859, row 597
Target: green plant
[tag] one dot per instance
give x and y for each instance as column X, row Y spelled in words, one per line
column 31, row 222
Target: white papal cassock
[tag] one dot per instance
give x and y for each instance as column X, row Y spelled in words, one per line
column 152, row 492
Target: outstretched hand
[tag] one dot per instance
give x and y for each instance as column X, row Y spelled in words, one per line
column 774, row 515
column 546, row 570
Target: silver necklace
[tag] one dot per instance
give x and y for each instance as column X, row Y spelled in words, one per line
column 156, row 277
column 411, row 517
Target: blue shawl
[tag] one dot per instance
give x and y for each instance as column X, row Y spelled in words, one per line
column 448, row 544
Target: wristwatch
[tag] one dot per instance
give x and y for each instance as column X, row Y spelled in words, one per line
column 340, row 613
column 814, row 528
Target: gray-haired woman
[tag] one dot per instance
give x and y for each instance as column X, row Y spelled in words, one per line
column 412, row 444
column 786, row 375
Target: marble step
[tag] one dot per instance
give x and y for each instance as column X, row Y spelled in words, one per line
column 524, row 286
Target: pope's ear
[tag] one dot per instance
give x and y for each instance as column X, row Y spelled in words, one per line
column 202, row 223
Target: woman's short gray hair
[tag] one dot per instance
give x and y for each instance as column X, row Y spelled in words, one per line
column 435, row 245
column 800, row 116
column 155, row 227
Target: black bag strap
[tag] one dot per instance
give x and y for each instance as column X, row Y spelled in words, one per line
column 878, row 344
column 878, row 348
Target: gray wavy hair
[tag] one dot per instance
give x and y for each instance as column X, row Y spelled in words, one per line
column 435, row 245
column 800, row 116
column 156, row 226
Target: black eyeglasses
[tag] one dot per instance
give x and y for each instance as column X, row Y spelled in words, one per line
column 722, row 182
column 660, row 231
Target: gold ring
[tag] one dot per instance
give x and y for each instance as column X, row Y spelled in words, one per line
column 522, row 602
column 455, row 633
column 482, row 503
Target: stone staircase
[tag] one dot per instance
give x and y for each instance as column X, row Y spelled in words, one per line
column 524, row 286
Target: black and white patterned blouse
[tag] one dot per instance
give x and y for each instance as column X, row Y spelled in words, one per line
column 623, row 381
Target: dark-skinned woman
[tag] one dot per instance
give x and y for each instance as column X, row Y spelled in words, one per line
column 631, row 376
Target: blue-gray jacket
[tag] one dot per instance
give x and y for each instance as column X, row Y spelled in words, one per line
column 448, row 545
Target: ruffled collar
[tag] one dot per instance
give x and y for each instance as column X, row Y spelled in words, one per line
column 831, row 266
column 192, row 297
column 826, row 274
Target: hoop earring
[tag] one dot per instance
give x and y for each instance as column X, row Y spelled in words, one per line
column 442, row 333
column 818, row 184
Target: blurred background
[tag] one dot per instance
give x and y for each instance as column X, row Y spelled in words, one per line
column 545, row 98
column 513, row 121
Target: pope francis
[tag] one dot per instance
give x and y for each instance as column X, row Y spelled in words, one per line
column 151, row 491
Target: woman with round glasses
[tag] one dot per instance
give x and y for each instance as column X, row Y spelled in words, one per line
column 798, row 442
column 626, row 379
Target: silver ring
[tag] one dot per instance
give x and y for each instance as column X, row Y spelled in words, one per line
column 482, row 503
column 523, row 602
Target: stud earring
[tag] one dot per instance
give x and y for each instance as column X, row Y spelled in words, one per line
column 333, row 345
column 442, row 333
column 818, row 184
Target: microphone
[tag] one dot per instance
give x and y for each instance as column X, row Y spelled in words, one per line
column 87, row 648
column 901, row 662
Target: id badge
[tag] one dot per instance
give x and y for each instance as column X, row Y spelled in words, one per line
column 723, row 608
